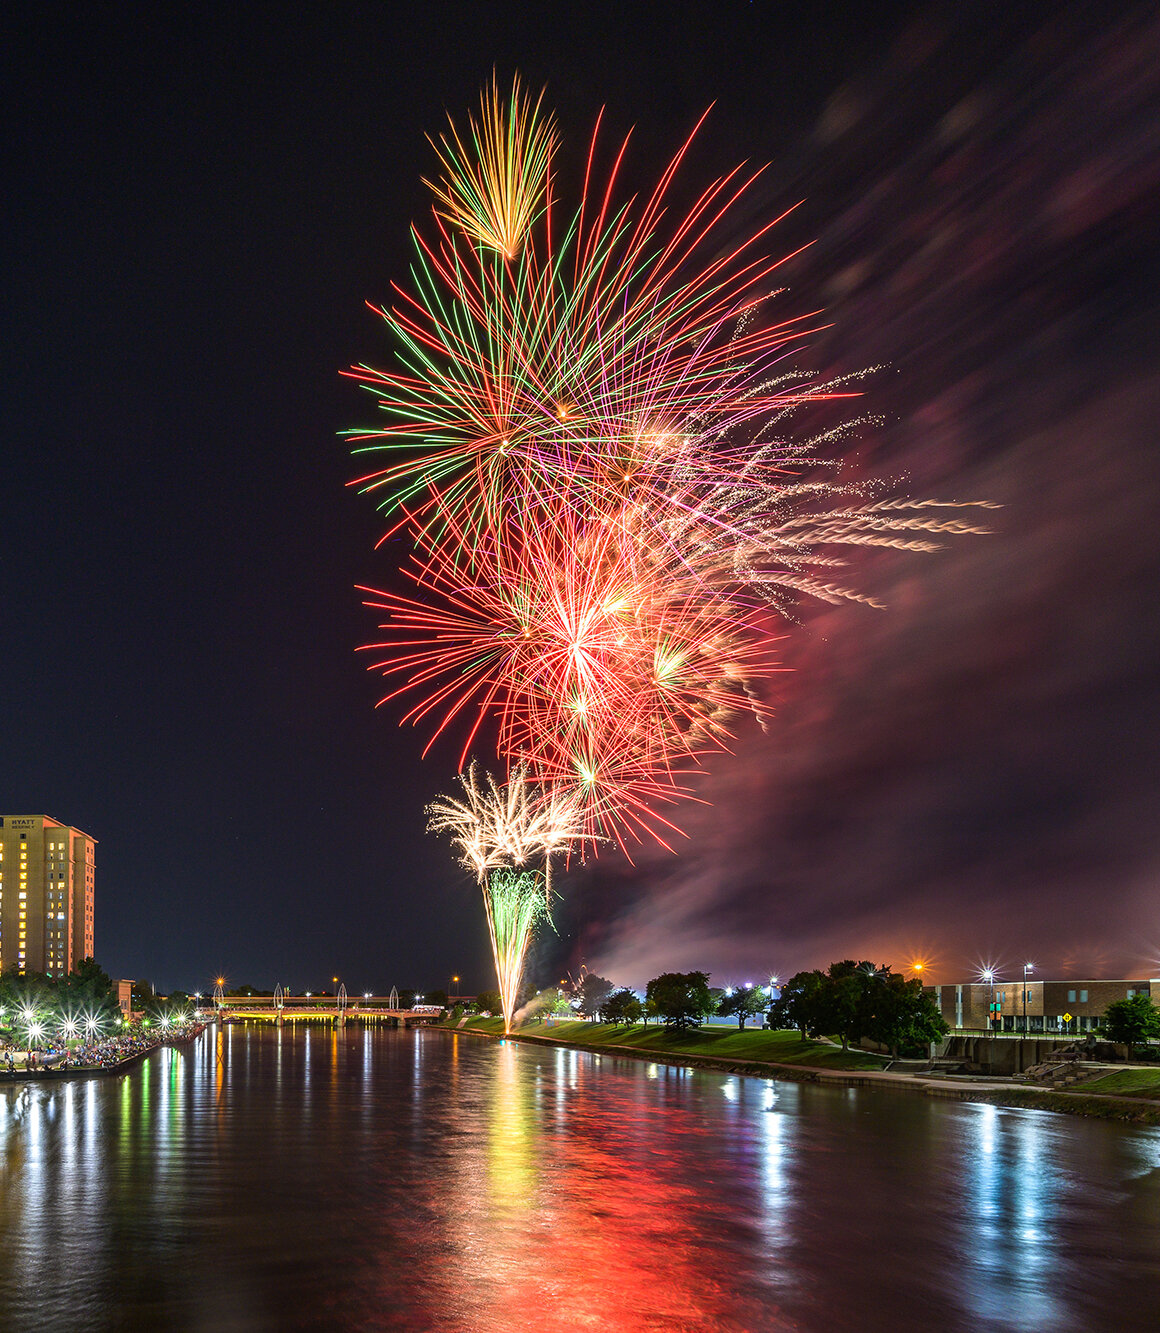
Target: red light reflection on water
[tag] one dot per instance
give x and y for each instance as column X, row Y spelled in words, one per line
column 572, row 1218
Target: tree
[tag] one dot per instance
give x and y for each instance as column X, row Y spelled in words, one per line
column 682, row 999
column 488, row 1002
column 551, row 1000
column 622, row 1007
column 91, row 977
column 594, row 991
column 744, row 1002
column 847, row 999
column 799, row 1005
column 898, row 1014
column 1131, row 1020
column 89, row 989
column 438, row 997
column 854, row 1000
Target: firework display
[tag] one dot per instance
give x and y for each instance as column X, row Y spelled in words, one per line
column 506, row 835
column 584, row 440
column 505, row 824
column 584, row 443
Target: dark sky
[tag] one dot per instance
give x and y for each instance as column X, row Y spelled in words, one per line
column 198, row 204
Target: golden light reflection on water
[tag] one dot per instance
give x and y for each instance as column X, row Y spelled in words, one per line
column 511, row 1138
column 220, row 1065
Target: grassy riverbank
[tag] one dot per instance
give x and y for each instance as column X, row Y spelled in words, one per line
column 1121, row 1095
column 1118, row 1107
column 1126, row 1083
column 754, row 1045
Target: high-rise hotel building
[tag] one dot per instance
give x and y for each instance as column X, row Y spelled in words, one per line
column 46, row 895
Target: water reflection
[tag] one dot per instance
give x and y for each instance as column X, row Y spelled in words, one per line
column 511, row 1127
column 372, row 1179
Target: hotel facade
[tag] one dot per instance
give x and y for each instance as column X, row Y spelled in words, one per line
column 46, row 895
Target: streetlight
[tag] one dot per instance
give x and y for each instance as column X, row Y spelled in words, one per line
column 455, row 987
column 988, row 975
column 1027, row 967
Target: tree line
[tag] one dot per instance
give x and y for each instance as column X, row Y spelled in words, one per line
column 850, row 1001
column 858, row 1001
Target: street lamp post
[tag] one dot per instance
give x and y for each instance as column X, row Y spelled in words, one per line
column 989, row 978
column 1027, row 967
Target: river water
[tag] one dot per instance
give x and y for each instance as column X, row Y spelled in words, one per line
column 372, row 1179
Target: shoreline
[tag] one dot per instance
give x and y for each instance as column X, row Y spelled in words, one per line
column 1128, row 1110
column 54, row 1074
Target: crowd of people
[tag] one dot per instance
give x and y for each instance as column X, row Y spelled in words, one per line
column 106, row 1051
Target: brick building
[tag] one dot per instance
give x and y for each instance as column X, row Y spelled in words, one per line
column 1047, row 1006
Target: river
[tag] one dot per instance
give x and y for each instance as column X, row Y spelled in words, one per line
column 372, row 1179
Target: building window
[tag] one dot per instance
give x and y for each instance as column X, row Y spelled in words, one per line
column 1071, row 997
column 1083, row 997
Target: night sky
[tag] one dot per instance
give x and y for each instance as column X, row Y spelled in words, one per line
column 198, row 205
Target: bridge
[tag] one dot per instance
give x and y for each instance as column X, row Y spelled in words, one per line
column 281, row 1008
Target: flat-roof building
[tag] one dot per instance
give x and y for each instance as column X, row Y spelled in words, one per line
column 46, row 895
column 1034, row 1005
